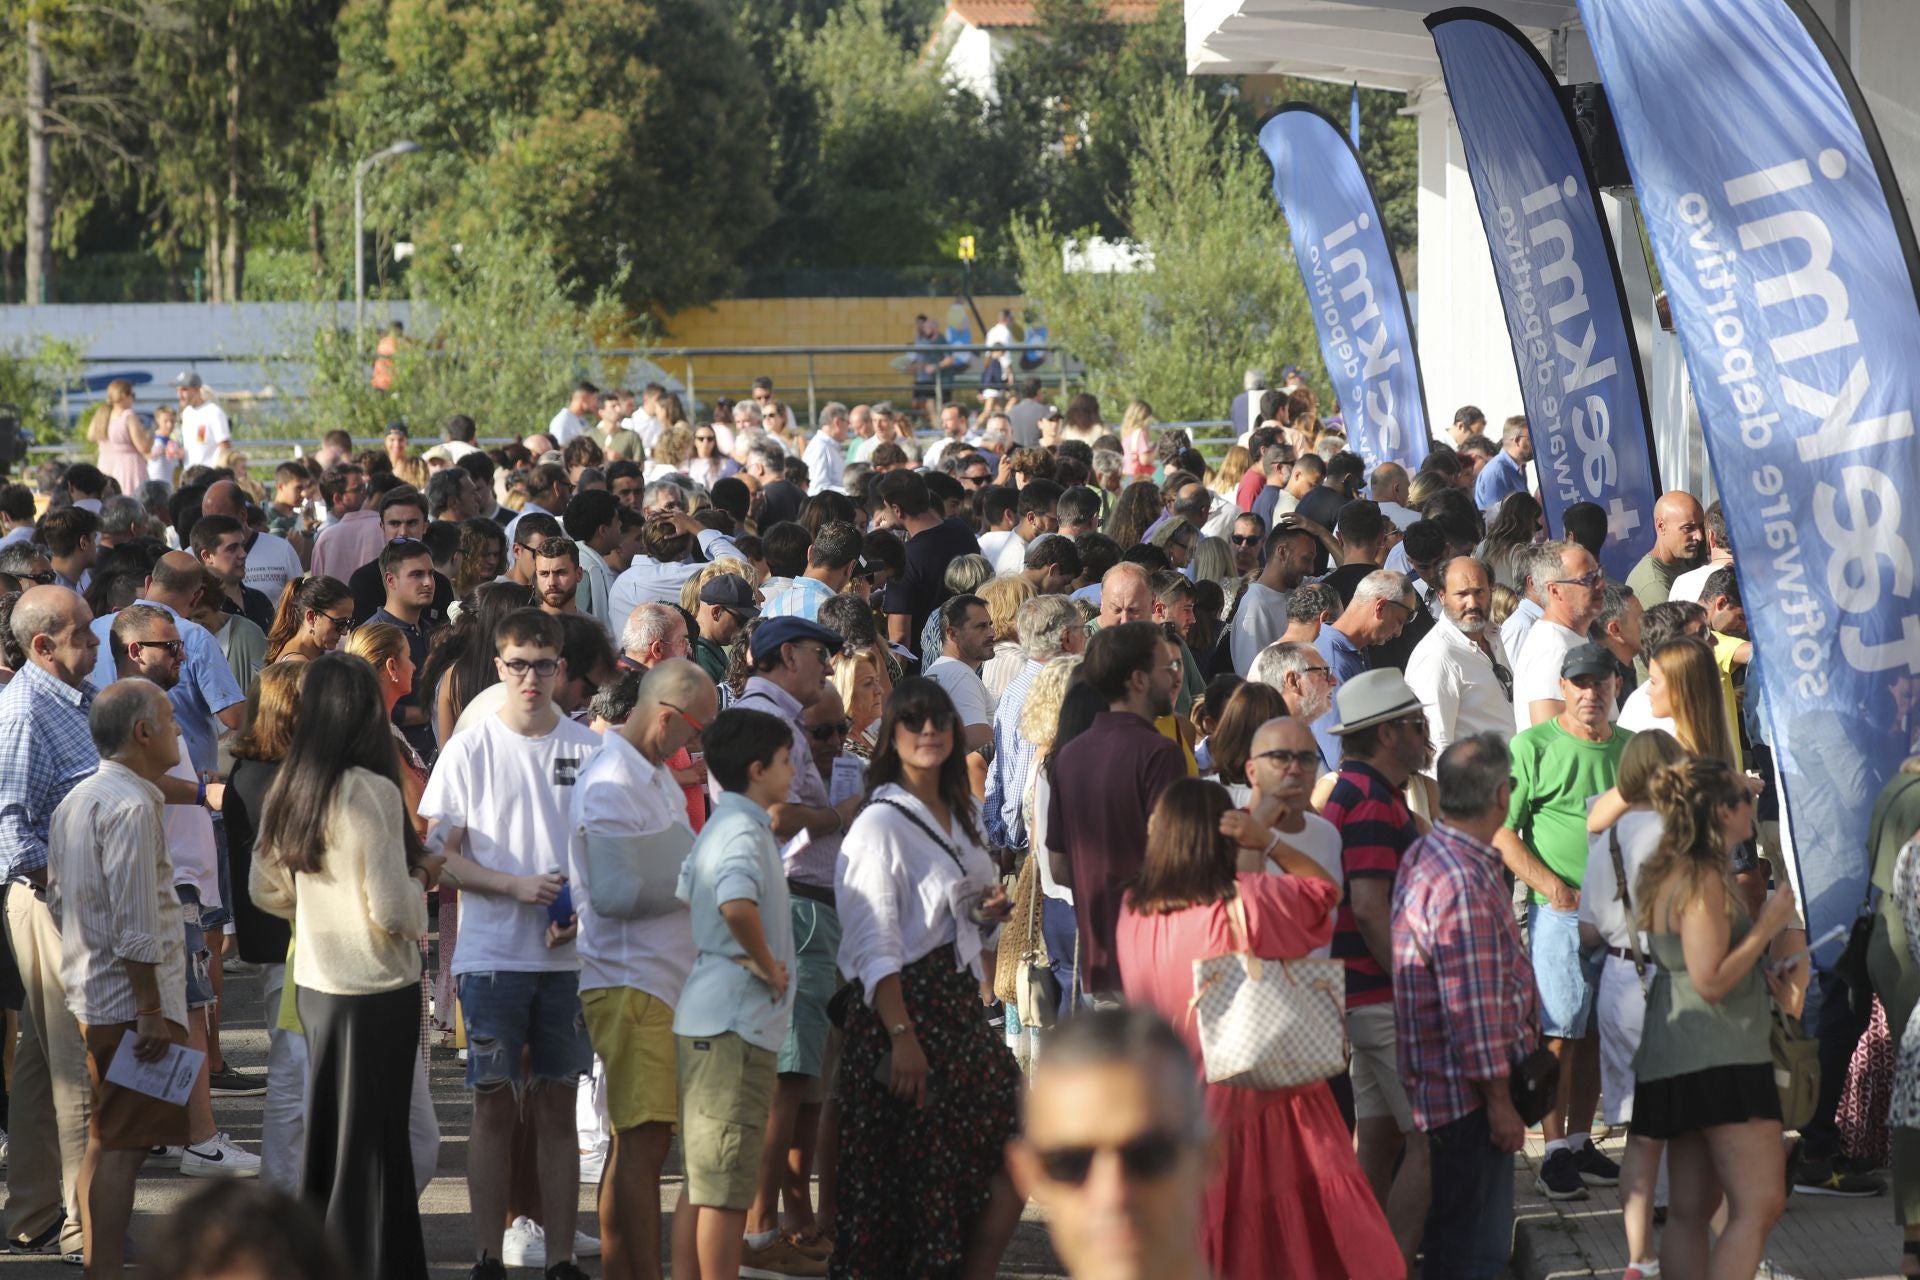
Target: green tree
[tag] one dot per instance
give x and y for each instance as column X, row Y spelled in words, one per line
column 1221, row 294
column 497, row 335
column 625, row 135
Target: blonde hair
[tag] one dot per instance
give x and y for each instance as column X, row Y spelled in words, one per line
column 1227, row 479
column 1040, row 713
column 1424, row 487
column 1004, row 596
column 1139, row 416
column 674, row 446
column 1691, row 853
column 1693, row 690
column 690, row 589
column 377, row 643
column 846, row 676
column 965, row 574
column 1505, row 600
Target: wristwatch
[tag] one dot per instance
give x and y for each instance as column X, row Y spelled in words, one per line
column 899, row 1029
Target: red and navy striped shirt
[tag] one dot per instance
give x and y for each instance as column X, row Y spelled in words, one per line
column 1376, row 827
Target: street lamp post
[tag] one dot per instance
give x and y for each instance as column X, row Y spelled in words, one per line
column 405, row 146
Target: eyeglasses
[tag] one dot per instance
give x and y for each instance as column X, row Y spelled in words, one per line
column 1591, row 581
column 941, row 721
column 172, row 648
column 1246, row 540
column 1326, row 672
column 542, row 667
column 698, row 728
column 1300, row 759
column 1151, row 1155
column 840, row 728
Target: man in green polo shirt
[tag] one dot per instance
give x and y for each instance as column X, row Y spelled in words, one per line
column 1559, row 765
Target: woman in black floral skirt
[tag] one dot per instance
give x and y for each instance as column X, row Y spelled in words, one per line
column 929, row 1092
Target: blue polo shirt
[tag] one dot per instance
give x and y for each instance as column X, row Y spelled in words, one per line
column 1500, row 477
column 1347, row 660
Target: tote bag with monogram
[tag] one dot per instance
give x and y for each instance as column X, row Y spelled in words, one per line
column 1268, row 1024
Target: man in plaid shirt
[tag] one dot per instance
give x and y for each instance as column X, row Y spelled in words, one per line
column 1464, row 1006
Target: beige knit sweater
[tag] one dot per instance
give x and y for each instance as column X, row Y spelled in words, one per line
column 356, row 924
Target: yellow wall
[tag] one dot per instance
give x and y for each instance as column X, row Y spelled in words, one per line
column 816, row 322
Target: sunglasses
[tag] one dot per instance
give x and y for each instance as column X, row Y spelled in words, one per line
column 1149, row 1156
column 942, row 722
column 172, row 648
column 43, row 578
column 339, row 623
column 822, row 732
column 1248, row 540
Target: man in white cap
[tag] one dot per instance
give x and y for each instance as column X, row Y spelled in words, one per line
column 1383, row 742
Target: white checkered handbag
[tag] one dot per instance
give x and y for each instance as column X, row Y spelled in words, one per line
column 1269, row 1024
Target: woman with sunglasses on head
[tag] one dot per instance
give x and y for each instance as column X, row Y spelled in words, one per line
column 709, row 463
column 1289, row 1198
column 315, row 615
column 929, row 1091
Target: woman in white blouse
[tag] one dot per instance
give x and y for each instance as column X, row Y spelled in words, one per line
column 929, row 1093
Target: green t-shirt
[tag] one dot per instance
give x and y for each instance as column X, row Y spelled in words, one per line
column 1554, row 776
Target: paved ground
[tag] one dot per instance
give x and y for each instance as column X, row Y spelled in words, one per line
column 1819, row 1237
column 444, row 1208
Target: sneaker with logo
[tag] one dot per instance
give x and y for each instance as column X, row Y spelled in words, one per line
column 218, row 1158
column 1828, row 1178
column 1595, row 1169
column 779, row 1259
column 1559, row 1177
column 163, row 1157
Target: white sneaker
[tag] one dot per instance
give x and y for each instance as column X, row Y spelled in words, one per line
column 219, row 1158
column 525, row 1245
column 593, row 1164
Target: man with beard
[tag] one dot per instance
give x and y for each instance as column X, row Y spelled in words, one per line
column 556, row 576
column 1281, row 769
column 1107, row 780
column 1460, row 671
column 1301, row 674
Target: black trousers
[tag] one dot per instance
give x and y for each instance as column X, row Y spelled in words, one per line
column 359, row 1166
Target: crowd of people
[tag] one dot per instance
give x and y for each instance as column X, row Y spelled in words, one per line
column 856, row 808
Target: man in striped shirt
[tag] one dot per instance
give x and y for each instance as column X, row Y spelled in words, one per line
column 123, row 958
column 1464, row 1006
column 1383, row 740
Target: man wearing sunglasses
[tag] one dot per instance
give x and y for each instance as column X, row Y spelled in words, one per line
column 1569, row 602
column 1115, row 1148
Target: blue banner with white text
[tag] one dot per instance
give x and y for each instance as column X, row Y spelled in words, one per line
column 1353, row 283
column 1573, row 341
column 1789, row 262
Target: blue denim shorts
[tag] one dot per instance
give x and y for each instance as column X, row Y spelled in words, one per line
column 214, row 918
column 199, row 984
column 507, row 1012
column 1567, row 981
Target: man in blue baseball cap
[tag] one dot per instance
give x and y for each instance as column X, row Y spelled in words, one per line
column 790, row 659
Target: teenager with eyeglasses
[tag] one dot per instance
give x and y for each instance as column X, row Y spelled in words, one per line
column 501, row 792
column 1286, row 1147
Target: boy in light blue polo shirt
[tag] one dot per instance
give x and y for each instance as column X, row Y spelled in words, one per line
column 732, row 1015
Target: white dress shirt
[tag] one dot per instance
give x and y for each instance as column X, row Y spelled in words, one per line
column 901, row 895
column 1455, row 681
column 1536, row 670
column 826, row 460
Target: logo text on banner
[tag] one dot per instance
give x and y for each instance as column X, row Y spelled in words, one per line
column 1573, row 343
column 1790, row 265
column 1353, row 284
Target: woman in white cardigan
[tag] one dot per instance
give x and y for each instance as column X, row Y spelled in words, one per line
column 336, row 854
column 928, row 1090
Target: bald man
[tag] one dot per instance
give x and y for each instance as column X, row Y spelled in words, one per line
column 1126, row 595
column 636, row 941
column 272, row 561
column 1389, row 487
column 1679, row 544
column 1281, row 768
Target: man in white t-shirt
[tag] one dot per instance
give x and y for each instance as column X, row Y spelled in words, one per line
column 203, row 424
column 1281, row 768
column 1569, row 602
column 271, row 561
column 500, row 796
column 969, row 642
column 577, row 418
column 629, row 837
column 1037, row 513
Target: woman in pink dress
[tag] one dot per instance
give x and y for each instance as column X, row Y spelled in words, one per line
column 1289, row 1199
column 123, row 442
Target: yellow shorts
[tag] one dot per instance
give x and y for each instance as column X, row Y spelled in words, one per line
column 633, row 1034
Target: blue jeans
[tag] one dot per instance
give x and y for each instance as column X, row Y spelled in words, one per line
column 507, row 1011
column 1061, row 929
column 1470, row 1219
